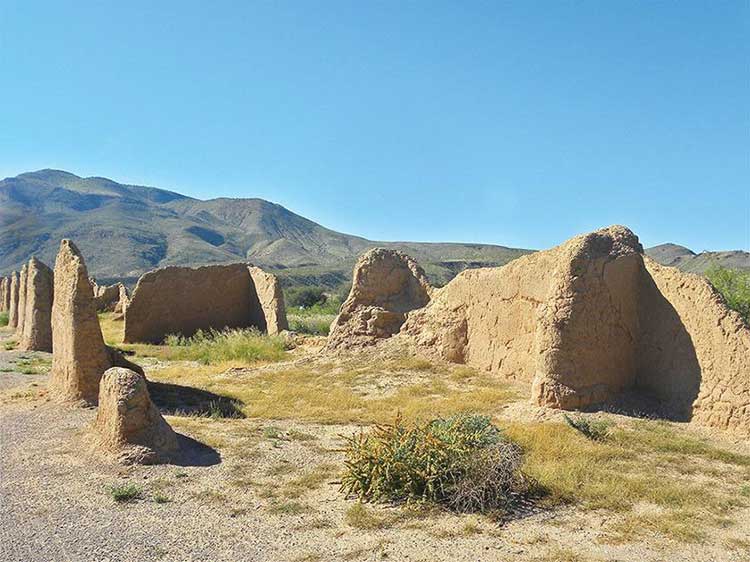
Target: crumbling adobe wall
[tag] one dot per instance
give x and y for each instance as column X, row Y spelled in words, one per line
column 79, row 355
column 183, row 300
column 123, row 300
column 107, row 297
column 386, row 285
column 13, row 301
column 587, row 332
column 694, row 352
column 128, row 423
column 271, row 298
column 562, row 319
column 592, row 318
column 21, row 307
column 4, row 294
column 37, row 329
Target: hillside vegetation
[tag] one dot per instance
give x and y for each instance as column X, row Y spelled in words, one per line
column 126, row 230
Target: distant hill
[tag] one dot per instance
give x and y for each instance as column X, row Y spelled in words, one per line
column 125, row 230
column 685, row 259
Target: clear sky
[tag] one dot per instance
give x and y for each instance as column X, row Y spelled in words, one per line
column 520, row 123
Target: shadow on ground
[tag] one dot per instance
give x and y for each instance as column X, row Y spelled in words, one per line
column 177, row 400
column 195, row 453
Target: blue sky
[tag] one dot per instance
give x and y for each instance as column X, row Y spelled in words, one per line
column 519, row 123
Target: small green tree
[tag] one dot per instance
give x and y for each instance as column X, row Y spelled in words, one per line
column 305, row 297
column 734, row 286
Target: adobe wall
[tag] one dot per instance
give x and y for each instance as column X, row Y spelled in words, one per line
column 271, row 298
column 386, row 285
column 37, row 330
column 183, row 300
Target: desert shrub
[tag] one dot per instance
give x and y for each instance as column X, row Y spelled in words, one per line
column 463, row 462
column 305, row 297
column 247, row 345
column 596, row 430
column 3, row 319
column 734, row 286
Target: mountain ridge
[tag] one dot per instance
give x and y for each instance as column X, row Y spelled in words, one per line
column 125, row 230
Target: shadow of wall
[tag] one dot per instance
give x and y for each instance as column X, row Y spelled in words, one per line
column 667, row 367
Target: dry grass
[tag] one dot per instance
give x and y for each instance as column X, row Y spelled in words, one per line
column 639, row 473
column 243, row 347
column 324, row 393
column 360, row 516
column 653, row 478
column 113, row 330
column 559, row 554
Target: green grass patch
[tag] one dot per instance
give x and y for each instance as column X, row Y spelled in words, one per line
column 33, row 365
column 330, row 393
column 360, row 516
column 313, row 324
column 125, row 493
column 245, row 345
column 310, row 316
column 4, row 318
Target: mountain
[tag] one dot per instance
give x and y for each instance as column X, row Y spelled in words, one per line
column 687, row 260
column 125, row 230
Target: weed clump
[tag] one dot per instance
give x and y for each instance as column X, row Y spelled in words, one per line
column 124, row 493
column 462, row 462
column 213, row 346
column 596, row 430
column 3, row 319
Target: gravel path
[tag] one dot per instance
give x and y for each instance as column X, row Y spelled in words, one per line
column 55, row 506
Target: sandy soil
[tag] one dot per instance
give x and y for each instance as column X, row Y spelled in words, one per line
column 247, row 499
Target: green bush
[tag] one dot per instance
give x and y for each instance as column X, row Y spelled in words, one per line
column 596, row 430
column 734, row 286
column 247, row 345
column 3, row 319
column 463, row 462
column 305, row 297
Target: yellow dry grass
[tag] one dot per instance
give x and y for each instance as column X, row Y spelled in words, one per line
column 653, row 477
column 323, row 393
column 658, row 478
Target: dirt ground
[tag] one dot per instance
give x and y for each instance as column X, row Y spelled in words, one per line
column 260, row 490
